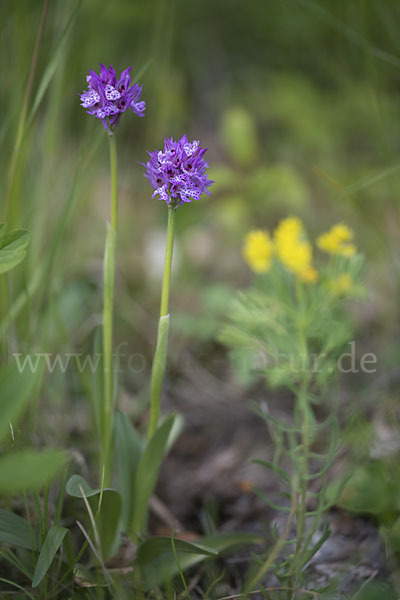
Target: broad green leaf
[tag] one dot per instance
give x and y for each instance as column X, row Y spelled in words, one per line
column 148, row 470
column 29, row 469
column 3, row 228
column 10, row 259
column 17, row 386
column 53, row 541
column 164, row 567
column 18, row 239
column 15, row 530
column 108, row 518
column 155, row 546
column 128, row 451
column 77, row 486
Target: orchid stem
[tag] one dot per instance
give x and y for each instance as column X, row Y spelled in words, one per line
column 108, row 304
column 160, row 355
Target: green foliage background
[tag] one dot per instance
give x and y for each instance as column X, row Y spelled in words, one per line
column 298, row 103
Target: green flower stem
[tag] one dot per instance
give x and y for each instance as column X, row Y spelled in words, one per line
column 108, row 304
column 160, row 356
column 306, row 424
column 168, row 262
column 304, row 410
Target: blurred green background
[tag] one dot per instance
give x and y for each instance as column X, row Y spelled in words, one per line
column 298, row 103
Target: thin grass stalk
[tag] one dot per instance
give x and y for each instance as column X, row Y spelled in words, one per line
column 15, row 156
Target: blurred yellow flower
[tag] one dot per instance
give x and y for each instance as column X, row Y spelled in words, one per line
column 258, row 250
column 293, row 250
column 338, row 240
column 309, row 275
column 341, row 285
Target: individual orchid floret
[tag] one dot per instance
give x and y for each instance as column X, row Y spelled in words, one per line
column 178, row 172
column 108, row 97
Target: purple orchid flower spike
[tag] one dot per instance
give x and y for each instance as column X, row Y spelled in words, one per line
column 178, row 173
column 108, row 97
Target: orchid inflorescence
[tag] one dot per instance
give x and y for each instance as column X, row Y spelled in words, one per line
column 178, row 172
column 178, row 175
column 107, row 97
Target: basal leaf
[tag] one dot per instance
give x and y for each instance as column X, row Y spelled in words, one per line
column 15, row 530
column 128, row 452
column 108, row 518
column 147, row 472
column 53, row 541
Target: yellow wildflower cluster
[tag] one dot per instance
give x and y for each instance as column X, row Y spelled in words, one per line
column 258, row 250
column 337, row 240
column 293, row 250
column 291, row 247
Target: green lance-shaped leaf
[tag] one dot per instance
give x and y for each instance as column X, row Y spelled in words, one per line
column 19, row 239
column 158, row 369
column 29, row 469
column 10, row 259
column 12, row 248
column 107, row 518
column 17, row 386
column 164, row 567
column 53, row 541
column 156, row 546
column 128, row 452
column 147, row 472
column 15, row 530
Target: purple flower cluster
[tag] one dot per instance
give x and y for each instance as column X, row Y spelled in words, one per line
column 178, row 173
column 107, row 98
